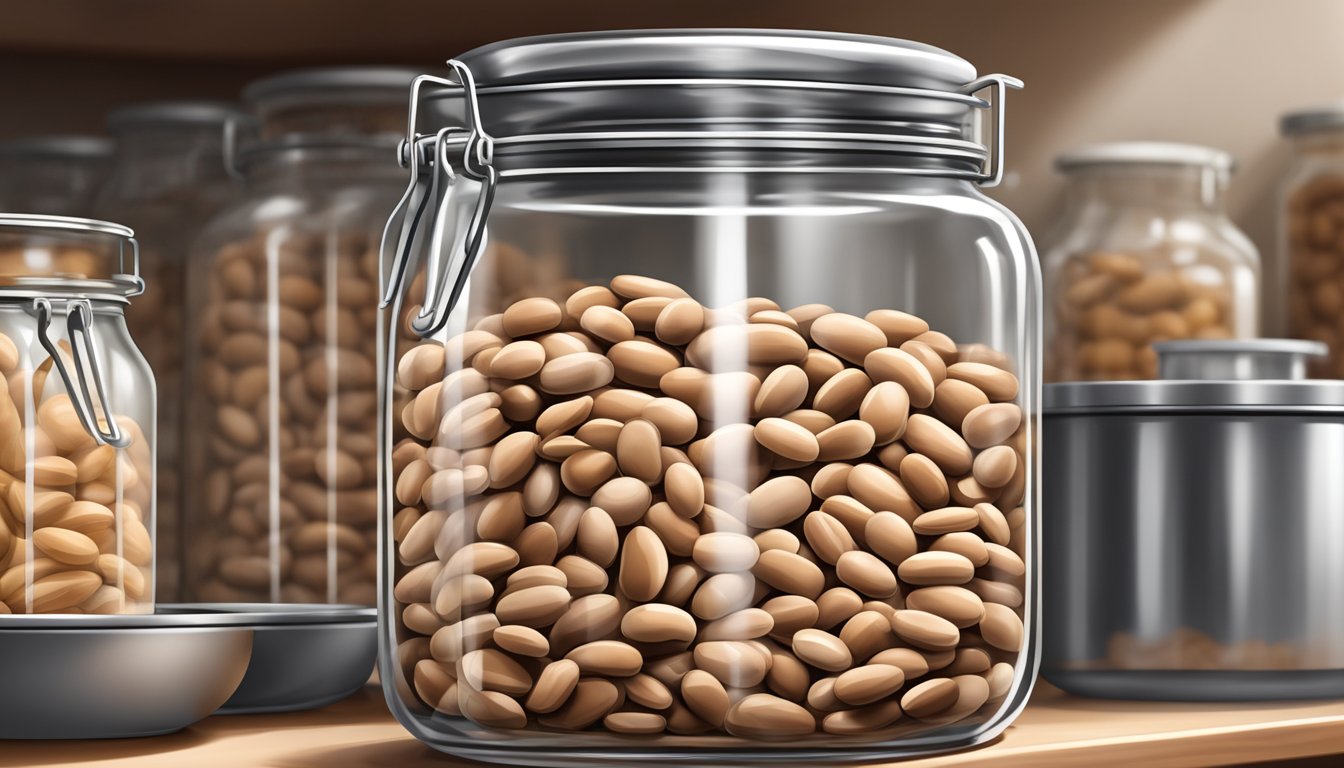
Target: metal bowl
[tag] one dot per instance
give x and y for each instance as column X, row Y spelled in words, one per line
column 303, row 656
column 99, row 677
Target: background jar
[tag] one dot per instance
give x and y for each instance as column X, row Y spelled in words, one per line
column 1144, row 253
column 167, row 179
column 282, row 443
column 76, row 422
column 1307, row 284
column 52, row 175
column 662, row 467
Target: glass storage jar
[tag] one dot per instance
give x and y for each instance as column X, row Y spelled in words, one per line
column 52, row 175
column 281, row 446
column 167, row 179
column 76, row 422
column 1308, row 282
column 710, row 404
column 1145, row 253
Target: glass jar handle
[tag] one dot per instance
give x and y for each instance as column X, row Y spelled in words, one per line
column 433, row 178
column 993, row 173
column 84, row 352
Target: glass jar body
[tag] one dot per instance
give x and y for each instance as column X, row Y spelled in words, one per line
column 78, row 528
column 1143, row 254
column 1311, row 249
column 166, row 181
column 599, row 489
column 281, row 448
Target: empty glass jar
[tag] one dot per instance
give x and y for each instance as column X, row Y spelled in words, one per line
column 710, row 405
column 76, row 422
column 52, row 175
column 167, row 179
column 1144, row 253
column 281, row 442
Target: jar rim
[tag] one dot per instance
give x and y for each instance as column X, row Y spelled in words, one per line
column 123, row 283
column 1145, row 153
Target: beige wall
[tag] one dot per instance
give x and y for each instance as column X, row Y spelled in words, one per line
column 1207, row 71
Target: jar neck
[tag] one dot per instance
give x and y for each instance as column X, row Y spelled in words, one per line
column 1177, row 188
column 168, row 157
column 321, row 166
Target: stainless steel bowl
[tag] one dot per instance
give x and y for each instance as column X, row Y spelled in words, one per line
column 1194, row 529
column 99, row 677
column 303, row 656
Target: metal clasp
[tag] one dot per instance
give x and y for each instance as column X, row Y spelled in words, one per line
column 993, row 173
column 430, row 160
column 84, row 352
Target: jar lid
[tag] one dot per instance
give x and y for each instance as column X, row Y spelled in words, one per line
column 58, row 146
column 1211, row 376
column 176, row 113
column 326, row 104
column 42, row 254
column 1145, row 153
column 1328, row 117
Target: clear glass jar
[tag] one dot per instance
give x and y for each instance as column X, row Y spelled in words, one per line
column 52, row 175
column 76, row 422
column 167, row 179
column 678, row 445
column 281, row 446
column 1144, row 253
column 1307, row 285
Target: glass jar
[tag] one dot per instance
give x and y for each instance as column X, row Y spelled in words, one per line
column 281, row 445
column 52, row 175
column 710, row 404
column 167, row 179
column 1145, row 253
column 76, row 447
column 1307, row 284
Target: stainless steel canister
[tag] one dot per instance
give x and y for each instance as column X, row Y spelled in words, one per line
column 1194, row 541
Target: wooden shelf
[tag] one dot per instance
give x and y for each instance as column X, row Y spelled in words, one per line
column 1056, row 731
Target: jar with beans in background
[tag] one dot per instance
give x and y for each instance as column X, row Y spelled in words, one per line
column 167, row 179
column 281, row 441
column 1144, row 253
column 53, row 175
column 1308, row 283
column 76, row 422
column 710, row 415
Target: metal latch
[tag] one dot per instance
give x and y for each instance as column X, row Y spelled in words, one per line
column 84, row 353
column 993, row 173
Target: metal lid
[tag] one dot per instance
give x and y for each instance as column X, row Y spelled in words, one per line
column 748, row 54
column 60, row 146
column 331, row 85
column 1210, row 376
column 1145, row 153
column 120, row 281
column 175, row 113
column 1328, row 117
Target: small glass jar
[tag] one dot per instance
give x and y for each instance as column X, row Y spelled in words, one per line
column 167, row 179
column 694, row 341
column 76, row 422
column 281, row 444
column 1308, row 287
column 1144, row 253
column 52, row 175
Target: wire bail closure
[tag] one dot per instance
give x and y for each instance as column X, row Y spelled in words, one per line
column 993, row 173
column 431, row 160
column 84, row 353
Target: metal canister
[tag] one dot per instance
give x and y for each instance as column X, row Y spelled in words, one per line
column 1194, row 546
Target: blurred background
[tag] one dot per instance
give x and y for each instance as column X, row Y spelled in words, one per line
column 1214, row 72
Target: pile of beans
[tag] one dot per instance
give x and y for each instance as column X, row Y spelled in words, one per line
column 1110, row 307
column 629, row 511
column 73, row 533
column 1315, row 290
column 288, row 423
column 1191, row 649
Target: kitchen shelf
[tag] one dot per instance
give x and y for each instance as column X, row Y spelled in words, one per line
column 1056, row 731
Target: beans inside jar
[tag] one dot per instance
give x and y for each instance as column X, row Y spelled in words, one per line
column 1315, row 243
column 628, row 511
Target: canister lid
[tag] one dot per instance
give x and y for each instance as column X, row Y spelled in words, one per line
column 1211, row 376
column 62, row 254
column 58, row 146
column 1329, row 117
column 1145, row 153
column 175, row 113
column 338, row 85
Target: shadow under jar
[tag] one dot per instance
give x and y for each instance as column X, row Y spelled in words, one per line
column 282, row 443
column 76, row 422
column 1145, row 253
column 709, row 405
